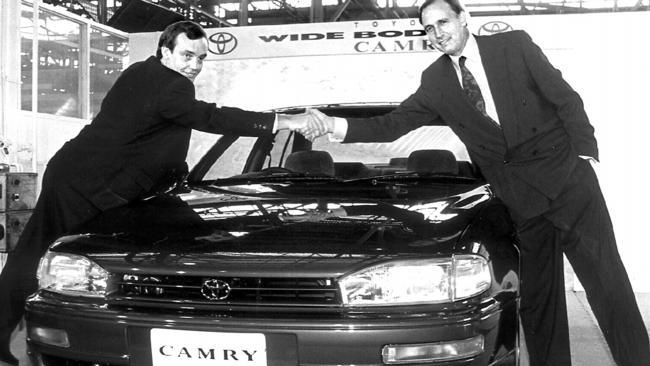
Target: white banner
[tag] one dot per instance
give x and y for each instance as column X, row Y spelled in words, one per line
column 380, row 36
column 402, row 35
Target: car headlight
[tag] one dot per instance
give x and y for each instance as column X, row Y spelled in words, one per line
column 417, row 281
column 71, row 274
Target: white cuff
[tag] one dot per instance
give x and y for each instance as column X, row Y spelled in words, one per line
column 340, row 130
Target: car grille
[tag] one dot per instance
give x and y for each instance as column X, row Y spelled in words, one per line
column 258, row 291
column 47, row 360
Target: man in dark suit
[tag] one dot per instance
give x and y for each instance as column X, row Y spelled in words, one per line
column 136, row 144
column 527, row 130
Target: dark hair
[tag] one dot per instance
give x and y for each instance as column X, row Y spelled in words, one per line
column 455, row 6
column 168, row 36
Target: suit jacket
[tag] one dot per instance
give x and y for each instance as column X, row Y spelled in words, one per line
column 141, row 135
column 544, row 127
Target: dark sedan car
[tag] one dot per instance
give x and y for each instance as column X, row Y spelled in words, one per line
column 278, row 251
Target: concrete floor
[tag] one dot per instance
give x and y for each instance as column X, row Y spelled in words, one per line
column 587, row 343
column 588, row 347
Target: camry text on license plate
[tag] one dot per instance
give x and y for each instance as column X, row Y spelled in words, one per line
column 172, row 347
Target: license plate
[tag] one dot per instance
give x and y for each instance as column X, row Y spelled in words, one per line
column 172, row 347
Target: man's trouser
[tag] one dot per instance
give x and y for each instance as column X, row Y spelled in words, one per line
column 59, row 209
column 579, row 226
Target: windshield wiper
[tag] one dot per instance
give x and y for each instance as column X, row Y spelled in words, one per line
column 415, row 176
column 271, row 177
column 269, row 185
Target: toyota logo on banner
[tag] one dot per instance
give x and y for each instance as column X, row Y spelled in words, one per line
column 493, row 28
column 215, row 289
column 222, row 43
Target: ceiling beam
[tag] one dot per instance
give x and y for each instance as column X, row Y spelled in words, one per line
column 316, row 12
column 243, row 13
column 340, row 10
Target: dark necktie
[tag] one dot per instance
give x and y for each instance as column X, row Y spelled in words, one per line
column 470, row 86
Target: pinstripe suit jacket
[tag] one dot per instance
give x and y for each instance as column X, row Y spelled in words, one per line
column 141, row 135
column 544, row 127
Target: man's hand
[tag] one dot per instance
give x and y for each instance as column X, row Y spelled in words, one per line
column 294, row 122
column 311, row 124
column 322, row 125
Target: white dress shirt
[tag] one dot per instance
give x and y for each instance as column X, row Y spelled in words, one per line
column 475, row 66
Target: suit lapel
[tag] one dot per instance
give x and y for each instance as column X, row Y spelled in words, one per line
column 452, row 92
column 495, row 62
column 449, row 78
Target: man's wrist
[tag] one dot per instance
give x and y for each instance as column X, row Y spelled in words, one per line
column 339, row 129
column 284, row 121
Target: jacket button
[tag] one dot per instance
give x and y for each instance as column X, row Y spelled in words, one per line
column 524, row 101
column 535, row 152
column 534, row 129
column 506, row 162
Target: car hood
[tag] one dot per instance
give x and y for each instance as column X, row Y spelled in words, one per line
column 234, row 234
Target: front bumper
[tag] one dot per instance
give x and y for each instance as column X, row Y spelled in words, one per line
column 98, row 335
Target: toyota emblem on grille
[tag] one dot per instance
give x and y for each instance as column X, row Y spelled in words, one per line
column 215, row 289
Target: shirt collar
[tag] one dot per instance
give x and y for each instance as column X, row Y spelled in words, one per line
column 470, row 51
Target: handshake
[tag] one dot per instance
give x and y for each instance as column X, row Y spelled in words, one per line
column 311, row 124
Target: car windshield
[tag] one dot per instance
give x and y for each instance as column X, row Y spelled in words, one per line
column 425, row 153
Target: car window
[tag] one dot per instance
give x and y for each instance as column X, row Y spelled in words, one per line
column 351, row 160
column 428, row 137
column 200, row 143
column 235, row 156
column 423, row 138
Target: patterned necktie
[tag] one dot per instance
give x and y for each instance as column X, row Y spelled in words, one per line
column 470, row 86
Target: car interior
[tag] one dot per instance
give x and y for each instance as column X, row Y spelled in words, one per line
column 434, row 162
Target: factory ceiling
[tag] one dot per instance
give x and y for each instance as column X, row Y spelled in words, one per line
column 150, row 15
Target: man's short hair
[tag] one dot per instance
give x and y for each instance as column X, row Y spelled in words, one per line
column 455, row 6
column 168, row 36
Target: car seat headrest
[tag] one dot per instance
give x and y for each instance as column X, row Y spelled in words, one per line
column 349, row 170
column 312, row 162
column 398, row 162
column 432, row 161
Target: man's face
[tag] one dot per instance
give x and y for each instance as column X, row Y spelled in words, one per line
column 446, row 29
column 187, row 56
